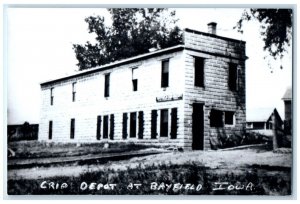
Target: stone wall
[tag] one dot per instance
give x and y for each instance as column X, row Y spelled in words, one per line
column 218, row 53
column 90, row 101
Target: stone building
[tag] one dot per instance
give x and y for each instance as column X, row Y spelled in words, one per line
column 187, row 95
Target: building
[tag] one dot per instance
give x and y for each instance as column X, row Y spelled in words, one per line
column 287, row 99
column 25, row 131
column 260, row 120
column 183, row 95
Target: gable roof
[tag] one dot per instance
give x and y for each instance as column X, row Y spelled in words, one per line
column 288, row 94
column 260, row 114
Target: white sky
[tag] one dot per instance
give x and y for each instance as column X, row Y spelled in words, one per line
column 40, row 48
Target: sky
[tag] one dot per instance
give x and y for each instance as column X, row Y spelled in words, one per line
column 39, row 48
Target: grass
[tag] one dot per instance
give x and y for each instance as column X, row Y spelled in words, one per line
column 37, row 149
column 265, row 181
column 269, row 172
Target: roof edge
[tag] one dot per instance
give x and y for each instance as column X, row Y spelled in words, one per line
column 116, row 63
column 213, row 35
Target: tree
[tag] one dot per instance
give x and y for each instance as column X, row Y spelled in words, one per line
column 276, row 28
column 133, row 31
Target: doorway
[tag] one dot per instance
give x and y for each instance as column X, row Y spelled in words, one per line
column 198, row 127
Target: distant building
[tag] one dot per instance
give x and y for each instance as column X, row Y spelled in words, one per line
column 25, row 131
column 287, row 98
column 260, row 120
column 183, row 95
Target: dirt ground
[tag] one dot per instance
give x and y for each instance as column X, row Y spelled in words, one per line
column 232, row 159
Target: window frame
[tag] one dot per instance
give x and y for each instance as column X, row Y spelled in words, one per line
column 51, row 96
column 164, row 126
column 216, row 124
column 134, row 79
column 165, row 75
column 72, row 129
column 105, row 134
column 50, row 130
column 107, row 85
column 199, row 72
column 132, row 125
column 232, row 66
column 74, row 91
column 233, row 118
column 153, row 126
column 98, row 129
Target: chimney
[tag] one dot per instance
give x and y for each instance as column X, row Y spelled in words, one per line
column 212, row 28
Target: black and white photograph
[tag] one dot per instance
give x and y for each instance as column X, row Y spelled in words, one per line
column 149, row 100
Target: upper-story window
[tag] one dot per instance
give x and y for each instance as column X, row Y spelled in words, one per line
column 165, row 73
column 73, row 91
column 106, row 85
column 232, row 77
column 134, row 79
column 199, row 72
column 51, row 96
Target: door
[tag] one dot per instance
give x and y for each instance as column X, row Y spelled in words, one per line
column 198, row 127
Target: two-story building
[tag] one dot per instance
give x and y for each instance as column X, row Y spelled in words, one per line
column 184, row 95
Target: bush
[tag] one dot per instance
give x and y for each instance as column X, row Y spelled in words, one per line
column 233, row 140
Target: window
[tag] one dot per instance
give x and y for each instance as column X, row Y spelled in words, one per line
column 269, row 125
column 134, row 79
column 132, row 125
column 105, row 127
column 153, row 124
column 106, row 85
column 73, row 91
column 174, row 123
column 232, row 77
column 112, row 126
column 229, row 118
column 141, row 125
column 165, row 74
column 50, row 130
column 199, row 72
column 72, row 131
column 216, row 118
column 124, row 124
column 164, row 123
column 98, row 127
column 258, row 125
column 51, row 96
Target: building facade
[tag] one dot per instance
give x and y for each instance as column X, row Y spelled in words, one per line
column 186, row 95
